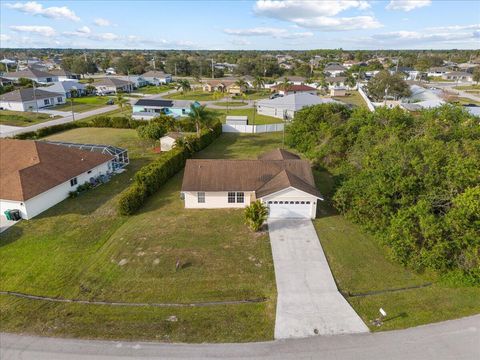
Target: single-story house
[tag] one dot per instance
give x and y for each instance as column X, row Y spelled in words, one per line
column 137, row 80
column 223, row 85
column 4, row 81
column 30, row 99
column 285, row 107
column 407, row 72
column 437, row 71
column 35, row 175
column 338, row 91
column 146, row 109
column 334, row 69
column 33, row 74
column 458, row 76
column 64, row 75
column 155, row 77
column 168, row 141
column 335, row 81
column 110, row 85
column 294, row 80
column 110, row 71
column 279, row 179
column 294, row 89
column 65, row 88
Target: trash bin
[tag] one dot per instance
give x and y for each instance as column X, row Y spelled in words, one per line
column 15, row 214
column 7, row 214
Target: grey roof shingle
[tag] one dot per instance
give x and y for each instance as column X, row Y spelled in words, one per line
column 23, row 95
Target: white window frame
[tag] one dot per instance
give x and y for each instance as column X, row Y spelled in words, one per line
column 231, row 195
column 201, row 197
column 241, row 195
column 74, row 181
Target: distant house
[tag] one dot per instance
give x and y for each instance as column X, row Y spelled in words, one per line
column 422, row 98
column 30, row 99
column 169, row 141
column 224, row 85
column 35, row 175
column 458, row 76
column 137, row 80
column 33, row 74
column 285, row 107
column 335, row 81
column 334, row 69
column 111, row 85
column 66, row 87
column 110, row 71
column 155, row 77
column 294, row 80
column 279, row 179
column 64, row 75
column 294, row 89
column 146, row 109
column 437, row 71
column 4, row 81
column 408, row 73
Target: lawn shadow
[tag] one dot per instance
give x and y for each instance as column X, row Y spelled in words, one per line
column 10, row 235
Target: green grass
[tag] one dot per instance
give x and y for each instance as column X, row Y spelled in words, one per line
column 73, row 250
column 462, row 100
column 23, row 118
column 152, row 89
column 83, row 104
column 353, row 98
column 197, row 95
column 259, row 119
column 230, row 103
column 360, row 264
column 473, row 88
column 255, row 95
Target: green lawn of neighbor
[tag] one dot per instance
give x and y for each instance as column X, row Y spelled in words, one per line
column 472, row 88
column 259, row 119
column 230, row 103
column 255, row 95
column 353, row 98
column 83, row 104
column 360, row 264
column 152, row 89
column 82, row 249
column 23, row 118
column 462, row 100
column 197, row 95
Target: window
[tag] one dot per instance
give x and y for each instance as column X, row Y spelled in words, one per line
column 59, row 99
column 201, row 197
column 231, row 197
column 73, row 182
column 240, row 197
column 46, row 102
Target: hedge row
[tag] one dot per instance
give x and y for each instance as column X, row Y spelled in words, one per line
column 151, row 177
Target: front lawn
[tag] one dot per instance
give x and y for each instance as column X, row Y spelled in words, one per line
column 259, row 118
column 23, row 118
column 458, row 100
column 82, row 249
column 152, row 89
column 82, row 104
column 255, row 95
column 197, row 95
column 230, row 103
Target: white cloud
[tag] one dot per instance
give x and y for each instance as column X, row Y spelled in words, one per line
column 5, row 37
column 53, row 12
column 268, row 31
column 41, row 30
column 407, row 5
column 84, row 30
column 318, row 14
column 101, row 22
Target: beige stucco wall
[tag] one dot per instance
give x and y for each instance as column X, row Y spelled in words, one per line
column 215, row 200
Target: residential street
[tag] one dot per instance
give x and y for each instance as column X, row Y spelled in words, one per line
column 63, row 120
column 455, row 340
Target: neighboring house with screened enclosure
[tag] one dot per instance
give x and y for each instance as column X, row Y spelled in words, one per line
column 280, row 179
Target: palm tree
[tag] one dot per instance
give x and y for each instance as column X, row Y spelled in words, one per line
column 242, row 84
column 258, row 83
column 285, row 84
column 200, row 116
column 255, row 215
column 183, row 85
column 121, row 101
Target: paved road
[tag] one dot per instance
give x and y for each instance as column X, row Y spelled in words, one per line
column 450, row 340
column 308, row 301
column 448, row 86
column 63, row 120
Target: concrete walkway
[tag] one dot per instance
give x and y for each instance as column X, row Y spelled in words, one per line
column 63, row 120
column 455, row 340
column 308, row 301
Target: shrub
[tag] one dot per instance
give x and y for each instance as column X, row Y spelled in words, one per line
column 255, row 215
column 132, row 199
column 102, row 121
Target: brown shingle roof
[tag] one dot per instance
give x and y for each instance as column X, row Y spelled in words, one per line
column 278, row 154
column 29, row 168
column 110, row 81
column 264, row 176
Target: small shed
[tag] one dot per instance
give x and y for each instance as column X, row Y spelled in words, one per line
column 168, row 141
column 237, row 120
column 338, row 91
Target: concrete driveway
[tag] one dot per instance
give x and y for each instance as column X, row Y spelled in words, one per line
column 308, row 301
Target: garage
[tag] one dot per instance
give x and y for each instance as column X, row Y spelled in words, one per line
column 290, row 209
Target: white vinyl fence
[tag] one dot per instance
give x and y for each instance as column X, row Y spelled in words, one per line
column 252, row 129
column 370, row 106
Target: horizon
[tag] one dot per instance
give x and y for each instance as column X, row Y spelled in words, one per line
column 263, row 25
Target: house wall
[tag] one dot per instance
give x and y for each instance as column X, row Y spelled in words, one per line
column 277, row 112
column 292, row 194
column 30, row 105
column 215, row 200
column 38, row 204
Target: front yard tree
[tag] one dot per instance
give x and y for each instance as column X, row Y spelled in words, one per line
column 121, row 101
column 200, row 116
column 255, row 215
column 385, row 84
column 183, row 85
column 476, row 75
column 258, row 83
column 152, row 131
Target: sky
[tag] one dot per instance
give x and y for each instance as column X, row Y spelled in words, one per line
column 241, row 25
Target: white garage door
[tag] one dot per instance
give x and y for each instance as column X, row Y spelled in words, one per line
column 289, row 209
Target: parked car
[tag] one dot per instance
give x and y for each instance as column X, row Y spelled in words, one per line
column 274, row 96
column 110, row 102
